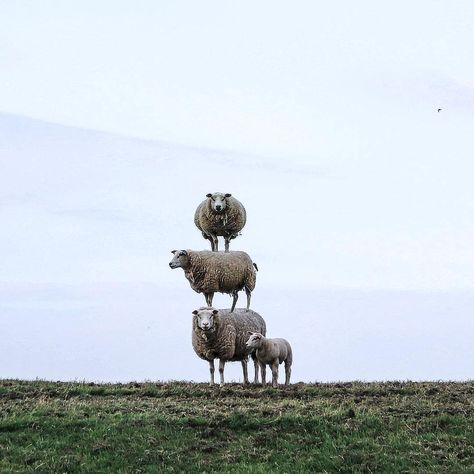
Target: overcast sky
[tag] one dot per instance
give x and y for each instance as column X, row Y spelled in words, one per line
column 323, row 80
column 322, row 117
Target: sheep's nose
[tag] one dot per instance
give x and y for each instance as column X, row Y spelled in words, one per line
column 170, row 264
column 218, row 207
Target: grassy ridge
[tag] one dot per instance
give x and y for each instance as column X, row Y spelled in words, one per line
column 176, row 427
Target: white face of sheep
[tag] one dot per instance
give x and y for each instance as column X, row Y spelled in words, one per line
column 180, row 259
column 205, row 318
column 255, row 340
column 218, row 201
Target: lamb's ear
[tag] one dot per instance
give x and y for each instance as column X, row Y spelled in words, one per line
column 195, row 312
column 208, row 195
column 228, row 195
column 173, row 251
column 215, row 311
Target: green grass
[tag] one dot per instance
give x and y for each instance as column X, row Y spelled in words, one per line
column 183, row 427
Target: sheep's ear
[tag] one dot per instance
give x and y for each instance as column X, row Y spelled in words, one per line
column 208, row 195
column 195, row 312
column 173, row 251
column 215, row 311
column 183, row 252
column 228, row 195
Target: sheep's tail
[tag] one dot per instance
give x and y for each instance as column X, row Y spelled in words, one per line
column 255, row 265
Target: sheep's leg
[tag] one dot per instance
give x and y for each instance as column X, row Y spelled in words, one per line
column 255, row 364
column 211, row 370
column 275, row 374
column 249, row 294
column 235, row 296
column 221, row 371
column 244, row 368
column 287, row 372
column 207, row 237
column 263, row 370
column 226, row 238
column 209, row 297
column 214, row 243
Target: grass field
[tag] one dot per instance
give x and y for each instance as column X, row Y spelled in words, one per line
column 187, row 427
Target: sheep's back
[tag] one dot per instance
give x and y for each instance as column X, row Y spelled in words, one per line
column 222, row 271
column 243, row 321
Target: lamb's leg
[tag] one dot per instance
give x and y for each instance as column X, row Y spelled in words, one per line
column 235, row 296
column 244, row 368
column 226, row 243
column 275, row 374
column 211, row 370
column 249, row 293
column 287, row 372
column 263, row 370
column 221, row 371
column 255, row 364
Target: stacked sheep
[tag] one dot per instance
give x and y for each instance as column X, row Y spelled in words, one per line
column 224, row 334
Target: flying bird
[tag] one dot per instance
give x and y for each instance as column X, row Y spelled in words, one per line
column 439, row 110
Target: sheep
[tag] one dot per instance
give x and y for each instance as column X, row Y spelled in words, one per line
column 220, row 214
column 272, row 352
column 209, row 272
column 221, row 334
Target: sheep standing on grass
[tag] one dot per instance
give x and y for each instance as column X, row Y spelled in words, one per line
column 272, row 352
column 220, row 214
column 221, row 334
column 209, row 272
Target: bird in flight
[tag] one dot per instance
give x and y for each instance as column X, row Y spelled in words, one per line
column 439, row 110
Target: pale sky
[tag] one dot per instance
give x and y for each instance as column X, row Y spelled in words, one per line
column 117, row 118
column 322, row 80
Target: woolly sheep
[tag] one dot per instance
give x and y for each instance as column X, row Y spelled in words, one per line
column 220, row 214
column 272, row 352
column 209, row 272
column 221, row 334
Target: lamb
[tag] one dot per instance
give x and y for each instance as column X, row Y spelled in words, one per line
column 272, row 352
column 221, row 334
column 209, row 272
column 220, row 214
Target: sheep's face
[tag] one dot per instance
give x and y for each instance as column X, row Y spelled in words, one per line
column 180, row 259
column 206, row 318
column 255, row 340
column 218, row 201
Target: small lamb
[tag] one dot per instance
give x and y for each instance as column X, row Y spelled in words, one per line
column 220, row 214
column 271, row 352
